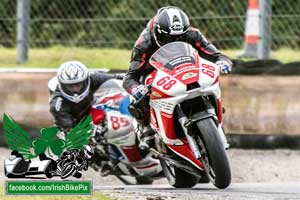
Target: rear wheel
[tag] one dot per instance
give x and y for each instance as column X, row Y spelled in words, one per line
column 143, row 180
column 177, row 177
column 213, row 154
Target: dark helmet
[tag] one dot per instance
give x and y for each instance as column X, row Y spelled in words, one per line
column 169, row 24
column 73, row 80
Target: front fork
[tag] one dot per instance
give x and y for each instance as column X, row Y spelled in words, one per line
column 185, row 123
column 217, row 111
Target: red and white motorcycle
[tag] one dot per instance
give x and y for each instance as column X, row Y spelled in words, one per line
column 186, row 113
column 117, row 150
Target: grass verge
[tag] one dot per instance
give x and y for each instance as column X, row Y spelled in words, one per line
column 100, row 58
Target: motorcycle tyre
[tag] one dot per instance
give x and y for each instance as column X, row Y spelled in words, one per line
column 143, row 180
column 217, row 157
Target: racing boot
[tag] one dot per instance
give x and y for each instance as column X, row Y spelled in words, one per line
column 146, row 138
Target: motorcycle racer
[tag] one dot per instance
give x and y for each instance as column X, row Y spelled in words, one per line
column 72, row 94
column 168, row 25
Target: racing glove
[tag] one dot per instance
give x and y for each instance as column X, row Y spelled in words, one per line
column 139, row 91
column 224, row 66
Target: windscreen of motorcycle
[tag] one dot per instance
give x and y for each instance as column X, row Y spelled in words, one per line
column 173, row 54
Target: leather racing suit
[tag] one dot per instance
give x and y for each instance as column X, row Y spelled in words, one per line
column 67, row 113
column 145, row 46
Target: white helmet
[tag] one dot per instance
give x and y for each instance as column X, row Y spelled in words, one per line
column 73, row 80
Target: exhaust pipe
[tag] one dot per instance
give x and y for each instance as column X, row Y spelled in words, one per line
column 176, row 163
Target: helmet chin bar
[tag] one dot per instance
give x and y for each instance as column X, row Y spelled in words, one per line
column 76, row 98
column 172, row 38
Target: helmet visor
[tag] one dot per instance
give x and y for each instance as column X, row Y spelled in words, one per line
column 75, row 88
column 163, row 38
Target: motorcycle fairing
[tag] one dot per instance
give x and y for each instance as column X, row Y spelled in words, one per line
column 132, row 153
column 185, row 152
column 181, row 71
column 120, row 136
column 159, row 88
column 158, row 94
column 98, row 115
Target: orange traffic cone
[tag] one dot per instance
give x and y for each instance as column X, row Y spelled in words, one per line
column 251, row 30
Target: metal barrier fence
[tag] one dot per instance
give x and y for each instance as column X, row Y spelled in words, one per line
column 117, row 23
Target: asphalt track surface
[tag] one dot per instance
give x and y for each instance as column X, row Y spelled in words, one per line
column 236, row 191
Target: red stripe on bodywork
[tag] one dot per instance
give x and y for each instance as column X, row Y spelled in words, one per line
column 187, row 153
column 132, row 153
column 150, row 78
column 116, row 98
column 168, row 123
column 217, row 80
column 157, row 94
column 148, row 166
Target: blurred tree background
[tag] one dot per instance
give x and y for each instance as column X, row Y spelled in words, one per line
column 116, row 24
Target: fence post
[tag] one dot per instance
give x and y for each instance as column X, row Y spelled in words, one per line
column 23, row 17
column 264, row 42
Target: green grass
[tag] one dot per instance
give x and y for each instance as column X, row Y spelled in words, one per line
column 100, row 58
column 54, row 56
column 95, row 196
column 284, row 55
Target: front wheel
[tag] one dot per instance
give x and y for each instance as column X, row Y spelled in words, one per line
column 213, row 154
